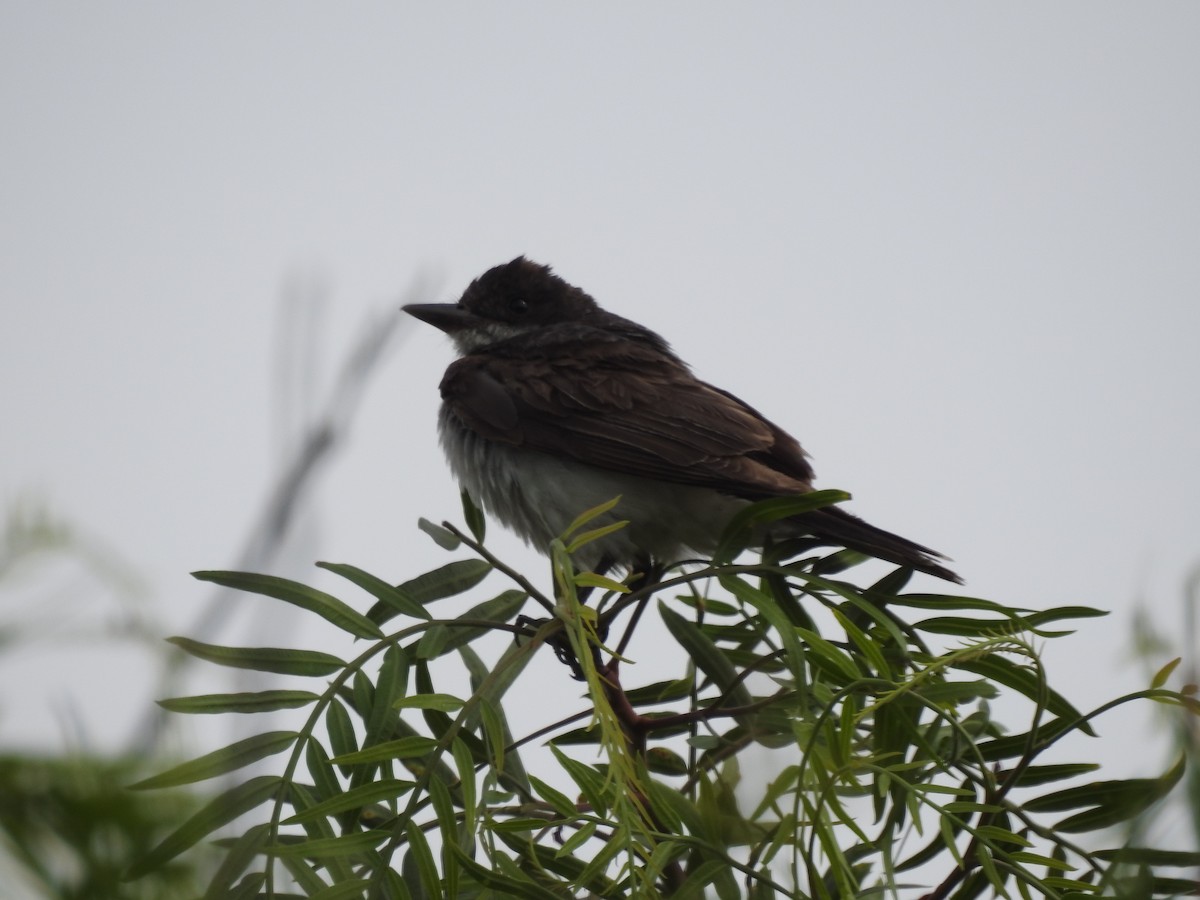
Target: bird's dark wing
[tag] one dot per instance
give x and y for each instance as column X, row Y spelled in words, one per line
column 625, row 406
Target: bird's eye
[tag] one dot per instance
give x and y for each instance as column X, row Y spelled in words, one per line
column 518, row 305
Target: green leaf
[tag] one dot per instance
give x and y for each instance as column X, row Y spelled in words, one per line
column 1035, row 775
column 1013, row 624
column 319, row 767
column 324, row 605
column 836, row 663
column 1161, row 676
column 592, row 579
column 342, row 739
column 432, row 643
column 263, row 659
column 502, row 885
column 473, row 516
column 221, row 810
column 254, row 702
column 441, row 536
column 443, row 702
column 595, row 534
column 421, row 857
column 352, row 844
column 379, row 589
column 499, row 609
column 711, row 661
column 219, row 762
column 1112, row 802
column 563, row 805
column 237, row 859
column 1150, row 856
column 351, row 889
column 446, row 581
column 389, row 692
column 590, row 782
column 1026, row 682
column 402, row 748
column 468, row 788
column 587, row 516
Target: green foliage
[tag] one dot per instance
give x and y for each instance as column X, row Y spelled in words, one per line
column 73, row 828
column 870, row 708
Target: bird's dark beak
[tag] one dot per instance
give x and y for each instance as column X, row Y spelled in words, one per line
column 446, row 316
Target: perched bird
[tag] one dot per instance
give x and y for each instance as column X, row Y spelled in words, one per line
column 555, row 406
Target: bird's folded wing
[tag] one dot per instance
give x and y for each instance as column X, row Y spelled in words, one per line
column 626, row 413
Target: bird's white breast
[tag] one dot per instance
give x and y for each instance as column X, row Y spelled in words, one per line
column 538, row 496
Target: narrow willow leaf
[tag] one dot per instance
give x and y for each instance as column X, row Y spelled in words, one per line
column 1017, row 744
column 1161, row 676
column 221, row 810
column 352, row 844
column 770, row 610
column 432, row 641
column 499, row 609
column 403, row 748
column 494, row 733
column 394, row 887
column 514, row 884
column 1151, row 856
column 342, row 739
column 263, row 659
column 590, row 782
column 1114, row 802
column 447, row 581
column 957, row 693
column 537, row 857
column 420, row 856
column 489, row 684
column 835, row 662
column 1037, row 859
column 305, row 875
column 237, row 859
column 711, row 661
column 328, row 607
column 595, row 534
column 303, row 798
column 374, row 792
column 1026, row 682
column 561, row 803
column 441, row 536
column 248, row 888
column 321, row 769
column 379, row 589
column 577, row 840
column 219, row 762
column 591, row 579
column 443, row 702
column 390, row 687
column 1035, row 775
column 468, row 788
column 443, row 806
column 253, row 702
column 474, row 518
column 353, row 889
column 587, row 516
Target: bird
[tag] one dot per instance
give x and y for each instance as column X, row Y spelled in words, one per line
column 555, row 405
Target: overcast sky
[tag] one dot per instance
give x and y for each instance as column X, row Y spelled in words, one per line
column 953, row 248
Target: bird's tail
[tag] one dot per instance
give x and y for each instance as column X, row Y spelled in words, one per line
column 836, row 526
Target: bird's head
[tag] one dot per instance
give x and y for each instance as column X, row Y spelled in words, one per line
column 504, row 302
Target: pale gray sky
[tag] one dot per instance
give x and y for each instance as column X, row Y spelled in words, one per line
column 954, row 248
